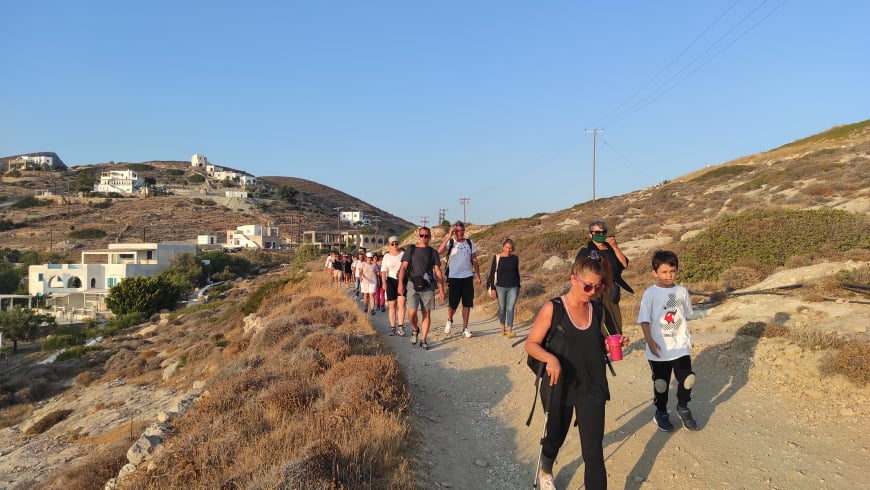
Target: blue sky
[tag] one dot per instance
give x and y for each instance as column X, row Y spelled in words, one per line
column 412, row 105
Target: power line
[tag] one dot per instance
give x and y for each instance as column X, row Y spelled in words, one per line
column 594, row 137
column 464, row 201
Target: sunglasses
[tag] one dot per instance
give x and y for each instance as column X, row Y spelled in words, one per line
column 394, row 243
column 588, row 287
column 425, row 236
column 598, row 232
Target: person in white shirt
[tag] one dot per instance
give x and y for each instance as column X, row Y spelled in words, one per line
column 390, row 265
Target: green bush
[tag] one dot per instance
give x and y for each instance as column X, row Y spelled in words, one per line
column 122, row 322
column 139, row 167
column 262, row 293
column 65, row 336
column 142, row 294
column 772, row 237
column 87, row 234
column 723, row 171
column 77, row 352
column 29, row 202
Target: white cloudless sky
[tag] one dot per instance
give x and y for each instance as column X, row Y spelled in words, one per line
column 413, row 105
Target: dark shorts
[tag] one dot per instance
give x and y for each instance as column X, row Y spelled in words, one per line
column 460, row 289
column 392, row 289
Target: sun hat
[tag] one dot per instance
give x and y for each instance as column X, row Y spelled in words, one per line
column 369, row 254
column 392, row 239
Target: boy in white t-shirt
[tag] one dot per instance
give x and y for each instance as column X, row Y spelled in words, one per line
column 664, row 314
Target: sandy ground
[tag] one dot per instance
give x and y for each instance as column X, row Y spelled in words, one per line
column 767, row 418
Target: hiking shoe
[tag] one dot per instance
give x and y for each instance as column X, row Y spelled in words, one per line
column 414, row 337
column 545, row 481
column 402, row 331
column 663, row 421
column 392, row 331
column 686, row 416
column 373, row 312
column 424, row 345
column 448, row 326
column 467, row 333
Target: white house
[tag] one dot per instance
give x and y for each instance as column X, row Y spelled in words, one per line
column 28, row 162
column 85, row 285
column 253, row 236
column 121, row 181
column 198, row 161
column 355, row 217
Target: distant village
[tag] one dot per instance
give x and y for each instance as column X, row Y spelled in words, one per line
column 78, row 290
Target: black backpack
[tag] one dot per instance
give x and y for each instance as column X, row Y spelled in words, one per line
column 538, row 367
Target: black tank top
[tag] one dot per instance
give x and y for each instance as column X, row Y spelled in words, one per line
column 581, row 354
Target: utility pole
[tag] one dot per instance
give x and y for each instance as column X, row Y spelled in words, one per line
column 594, row 137
column 464, row 201
column 442, row 213
column 339, row 208
column 424, row 221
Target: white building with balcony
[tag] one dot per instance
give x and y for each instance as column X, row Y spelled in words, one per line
column 354, row 217
column 253, row 236
column 120, row 181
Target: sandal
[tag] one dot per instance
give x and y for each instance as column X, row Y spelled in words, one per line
column 510, row 334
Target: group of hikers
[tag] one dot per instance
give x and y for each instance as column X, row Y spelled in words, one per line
column 567, row 334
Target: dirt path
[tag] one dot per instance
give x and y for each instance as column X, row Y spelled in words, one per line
column 758, row 429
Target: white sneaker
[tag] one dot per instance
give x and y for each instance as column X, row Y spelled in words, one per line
column 545, row 481
column 467, row 333
column 447, row 327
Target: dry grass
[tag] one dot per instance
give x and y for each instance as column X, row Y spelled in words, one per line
column 313, row 402
column 817, row 338
column 48, row 421
column 852, row 361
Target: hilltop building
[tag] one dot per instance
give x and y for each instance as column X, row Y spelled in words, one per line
column 354, row 217
column 32, row 161
column 216, row 172
column 120, row 181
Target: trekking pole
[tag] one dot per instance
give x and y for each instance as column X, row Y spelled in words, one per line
column 543, row 434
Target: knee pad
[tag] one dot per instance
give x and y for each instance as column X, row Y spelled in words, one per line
column 660, row 385
column 689, row 382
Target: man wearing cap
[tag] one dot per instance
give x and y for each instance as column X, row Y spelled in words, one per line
column 390, row 265
column 602, row 245
column 462, row 272
column 419, row 275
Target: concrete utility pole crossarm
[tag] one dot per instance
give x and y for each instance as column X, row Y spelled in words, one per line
column 464, row 201
column 594, row 137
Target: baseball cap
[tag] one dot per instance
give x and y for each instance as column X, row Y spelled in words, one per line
column 369, row 254
column 392, row 239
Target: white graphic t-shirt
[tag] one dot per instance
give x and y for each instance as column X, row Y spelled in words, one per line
column 667, row 311
column 460, row 259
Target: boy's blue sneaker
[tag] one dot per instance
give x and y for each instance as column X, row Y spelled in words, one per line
column 686, row 416
column 663, row 421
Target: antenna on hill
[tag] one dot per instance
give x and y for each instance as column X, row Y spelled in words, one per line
column 594, row 137
column 442, row 214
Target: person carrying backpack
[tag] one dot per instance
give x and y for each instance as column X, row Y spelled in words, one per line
column 575, row 377
column 419, row 275
column 462, row 272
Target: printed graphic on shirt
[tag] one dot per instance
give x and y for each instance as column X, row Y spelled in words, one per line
column 673, row 317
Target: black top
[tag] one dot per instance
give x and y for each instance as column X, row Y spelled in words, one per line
column 616, row 267
column 508, row 272
column 581, row 355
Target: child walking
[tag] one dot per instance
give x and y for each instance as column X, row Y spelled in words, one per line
column 664, row 311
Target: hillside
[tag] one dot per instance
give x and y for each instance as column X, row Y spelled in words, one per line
column 296, row 385
column 185, row 205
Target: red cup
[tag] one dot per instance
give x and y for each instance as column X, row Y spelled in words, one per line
column 614, row 344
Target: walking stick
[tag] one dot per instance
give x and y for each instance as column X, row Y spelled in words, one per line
column 543, row 434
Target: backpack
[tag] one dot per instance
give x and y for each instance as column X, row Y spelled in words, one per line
column 420, row 284
column 538, row 367
column 449, row 248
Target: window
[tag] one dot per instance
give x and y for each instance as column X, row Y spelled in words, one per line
column 74, row 283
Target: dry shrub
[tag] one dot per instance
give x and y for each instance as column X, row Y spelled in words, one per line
column 739, row 277
column 48, row 421
column 753, row 329
column 290, row 395
column 852, row 361
column 332, row 348
column 372, row 378
column 813, row 337
column 15, row 414
column 776, row 330
column 820, row 190
column 95, row 469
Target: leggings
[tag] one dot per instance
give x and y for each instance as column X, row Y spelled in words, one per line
column 590, row 422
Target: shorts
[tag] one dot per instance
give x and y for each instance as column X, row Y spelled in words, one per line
column 392, row 289
column 367, row 287
column 460, row 289
column 419, row 300
column 336, row 273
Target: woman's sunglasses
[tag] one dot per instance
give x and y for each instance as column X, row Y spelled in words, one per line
column 588, row 287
